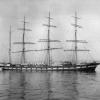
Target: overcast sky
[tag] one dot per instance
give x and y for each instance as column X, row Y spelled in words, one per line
column 36, row 11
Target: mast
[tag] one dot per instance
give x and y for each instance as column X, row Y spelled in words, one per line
column 10, row 46
column 48, row 50
column 48, row 40
column 76, row 38
column 23, row 59
column 23, row 43
column 76, row 41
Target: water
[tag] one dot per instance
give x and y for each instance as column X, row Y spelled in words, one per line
column 49, row 86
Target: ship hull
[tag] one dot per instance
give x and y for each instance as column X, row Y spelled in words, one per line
column 85, row 69
column 53, row 68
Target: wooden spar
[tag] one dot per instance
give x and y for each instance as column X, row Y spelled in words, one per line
column 78, row 41
column 77, row 50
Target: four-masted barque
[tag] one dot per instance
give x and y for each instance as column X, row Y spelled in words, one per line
column 65, row 66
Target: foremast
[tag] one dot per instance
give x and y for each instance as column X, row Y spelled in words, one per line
column 23, row 43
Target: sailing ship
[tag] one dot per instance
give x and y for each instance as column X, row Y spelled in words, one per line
column 48, row 66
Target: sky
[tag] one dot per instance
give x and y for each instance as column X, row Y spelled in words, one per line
column 12, row 13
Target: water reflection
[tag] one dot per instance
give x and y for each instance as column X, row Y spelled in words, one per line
column 16, row 88
column 49, row 86
column 64, row 86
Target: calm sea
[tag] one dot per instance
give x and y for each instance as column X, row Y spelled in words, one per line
column 49, row 86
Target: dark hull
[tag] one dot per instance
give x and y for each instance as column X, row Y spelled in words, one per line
column 85, row 69
column 53, row 68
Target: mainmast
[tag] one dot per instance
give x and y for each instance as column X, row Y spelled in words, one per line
column 48, row 40
column 49, row 19
column 10, row 46
column 23, row 43
column 76, row 40
column 49, row 26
